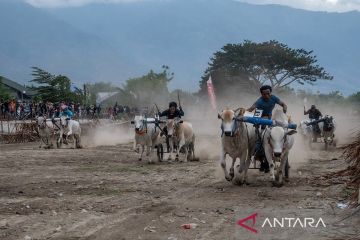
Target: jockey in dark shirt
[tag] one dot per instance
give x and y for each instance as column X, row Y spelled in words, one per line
column 172, row 112
column 314, row 113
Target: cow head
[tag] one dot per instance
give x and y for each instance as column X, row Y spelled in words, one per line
column 278, row 138
column 172, row 125
column 140, row 124
column 328, row 123
column 229, row 123
column 305, row 127
column 41, row 122
column 63, row 121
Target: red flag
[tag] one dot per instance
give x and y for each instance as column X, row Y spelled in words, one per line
column 211, row 93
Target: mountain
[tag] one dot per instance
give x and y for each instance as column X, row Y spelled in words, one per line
column 131, row 38
column 33, row 37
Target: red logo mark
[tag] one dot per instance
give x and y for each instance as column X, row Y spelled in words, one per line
column 253, row 217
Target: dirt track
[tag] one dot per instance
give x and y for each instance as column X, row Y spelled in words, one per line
column 105, row 193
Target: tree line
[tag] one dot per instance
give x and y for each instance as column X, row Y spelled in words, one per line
column 234, row 69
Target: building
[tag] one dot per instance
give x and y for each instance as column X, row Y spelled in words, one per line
column 17, row 90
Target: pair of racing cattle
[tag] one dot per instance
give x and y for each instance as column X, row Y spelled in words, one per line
column 179, row 134
column 239, row 141
column 61, row 127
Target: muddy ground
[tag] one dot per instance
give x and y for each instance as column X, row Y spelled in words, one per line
column 104, row 192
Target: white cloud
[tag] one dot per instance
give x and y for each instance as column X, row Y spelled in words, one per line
column 72, row 3
column 315, row 5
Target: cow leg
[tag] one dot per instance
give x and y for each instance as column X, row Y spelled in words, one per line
column 77, row 141
column 243, row 167
column 135, row 144
column 282, row 167
column 148, row 153
column 178, row 151
column 186, row 153
column 269, row 158
column 193, row 149
column 59, row 139
column 171, row 148
column 43, row 140
column 141, row 152
column 223, row 165
column 251, row 149
column 231, row 174
column 181, row 144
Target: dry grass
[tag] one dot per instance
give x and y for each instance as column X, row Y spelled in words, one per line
column 352, row 155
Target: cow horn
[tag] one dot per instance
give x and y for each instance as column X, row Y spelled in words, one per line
column 236, row 110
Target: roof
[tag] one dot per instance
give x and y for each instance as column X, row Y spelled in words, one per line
column 103, row 96
column 16, row 86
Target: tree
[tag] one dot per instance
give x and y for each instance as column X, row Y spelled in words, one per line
column 149, row 88
column 354, row 99
column 4, row 91
column 54, row 88
column 269, row 62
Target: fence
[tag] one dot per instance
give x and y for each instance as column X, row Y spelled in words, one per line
column 13, row 131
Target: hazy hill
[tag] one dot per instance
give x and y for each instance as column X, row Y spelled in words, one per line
column 33, row 37
column 114, row 41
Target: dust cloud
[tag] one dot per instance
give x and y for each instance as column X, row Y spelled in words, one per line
column 208, row 134
column 109, row 134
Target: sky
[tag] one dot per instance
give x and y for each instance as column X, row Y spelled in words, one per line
column 312, row 5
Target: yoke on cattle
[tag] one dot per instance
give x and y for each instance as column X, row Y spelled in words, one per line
column 266, row 122
column 156, row 121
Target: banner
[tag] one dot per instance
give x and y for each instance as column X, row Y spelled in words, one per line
column 211, row 93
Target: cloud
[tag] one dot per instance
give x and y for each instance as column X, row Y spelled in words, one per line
column 72, row 3
column 314, row 5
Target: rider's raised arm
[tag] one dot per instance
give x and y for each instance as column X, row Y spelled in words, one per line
column 284, row 106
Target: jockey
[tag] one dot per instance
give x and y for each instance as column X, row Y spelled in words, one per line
column 266, row 103
column 314, row 115
column 172, row 112
column 66, row 111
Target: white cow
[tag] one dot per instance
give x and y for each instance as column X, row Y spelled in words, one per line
column 146, row 136
column 238, row 141
column 69, row 128
column 277, row 142
column 46, row 129
column 181, row 134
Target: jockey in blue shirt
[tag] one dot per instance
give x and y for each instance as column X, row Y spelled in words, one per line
column 66, row 111
column 266, row 103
